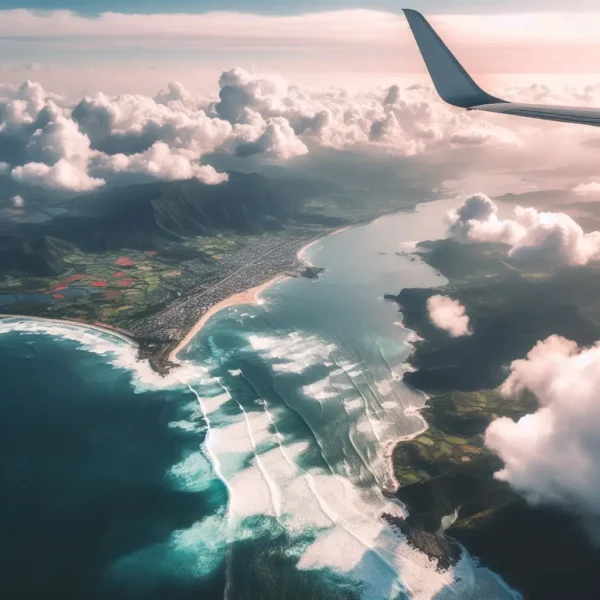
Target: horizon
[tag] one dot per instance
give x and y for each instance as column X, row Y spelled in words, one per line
column 74, row 52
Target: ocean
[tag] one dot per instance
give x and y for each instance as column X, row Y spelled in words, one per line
column 254, row 470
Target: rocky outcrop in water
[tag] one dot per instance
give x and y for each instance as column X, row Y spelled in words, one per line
column 445, row 551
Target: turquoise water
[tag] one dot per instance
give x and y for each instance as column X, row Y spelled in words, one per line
column 254, row 470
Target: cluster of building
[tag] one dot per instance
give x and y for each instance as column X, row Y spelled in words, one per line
column 255, row 261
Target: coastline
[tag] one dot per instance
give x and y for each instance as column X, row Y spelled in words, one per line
column 129, row 338
column 388, row 451
column 336, row 231
column 249, row 296
column 412, row 410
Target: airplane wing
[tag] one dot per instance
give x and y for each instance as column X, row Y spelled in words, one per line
column 456, row 86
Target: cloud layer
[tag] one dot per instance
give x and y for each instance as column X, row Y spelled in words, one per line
column 351, row 26
column 553, row 455
column 448, row 314
column 359, row 26
column 47, row 141
column 80, row 145
column 588, row 191
column 553, row 237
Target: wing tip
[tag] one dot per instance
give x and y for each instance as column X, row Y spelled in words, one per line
column 451, row 80
column 412, row 13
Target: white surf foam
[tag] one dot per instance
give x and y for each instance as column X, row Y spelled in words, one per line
column 120, row 352
column 341, row 501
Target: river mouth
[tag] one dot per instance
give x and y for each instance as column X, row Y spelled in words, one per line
column 294, row 405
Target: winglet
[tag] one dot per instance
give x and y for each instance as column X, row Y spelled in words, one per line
column 450, row 79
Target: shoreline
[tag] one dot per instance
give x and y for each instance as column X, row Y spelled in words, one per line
column 249, row 296
column 388, row 451
column 252, row 295
column 491, row 514
column 129, row 338
column 335, row 231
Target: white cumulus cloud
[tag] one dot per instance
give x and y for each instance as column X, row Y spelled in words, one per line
column 18, row 201
column 277, row 140
column 588, row 191
column 448, row 314
column 163, row 162
column 63, row 175
column 553, row 455
column 168, row 135
column 553, row 237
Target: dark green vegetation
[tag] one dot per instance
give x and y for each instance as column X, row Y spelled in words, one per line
column 541, row 552
column 447, row 470
column 156, row 216
column 454, row 438
column 448, row 467
column 510, row 308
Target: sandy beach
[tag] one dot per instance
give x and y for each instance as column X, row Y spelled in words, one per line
column 249, row 296
column 300, row 253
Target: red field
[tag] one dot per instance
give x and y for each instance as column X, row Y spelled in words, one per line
column 124, row 261
column 73, row 278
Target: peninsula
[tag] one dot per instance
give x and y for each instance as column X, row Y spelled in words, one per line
column 446, row 474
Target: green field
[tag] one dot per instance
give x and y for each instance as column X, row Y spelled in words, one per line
column 456, row 433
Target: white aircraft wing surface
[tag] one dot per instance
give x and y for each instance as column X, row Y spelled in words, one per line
column 456, row 86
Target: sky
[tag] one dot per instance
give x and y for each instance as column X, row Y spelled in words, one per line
column 76, row 46
column 296, row 6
